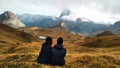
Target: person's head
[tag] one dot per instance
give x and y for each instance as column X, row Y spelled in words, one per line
column 48, row 40
column 60, row 40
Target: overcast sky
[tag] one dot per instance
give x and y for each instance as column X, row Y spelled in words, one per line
column 107, row 11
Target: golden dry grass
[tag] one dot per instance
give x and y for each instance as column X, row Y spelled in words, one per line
column 103, row 41
column 24, row 55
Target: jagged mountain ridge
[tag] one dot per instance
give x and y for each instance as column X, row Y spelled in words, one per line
column 78, row 26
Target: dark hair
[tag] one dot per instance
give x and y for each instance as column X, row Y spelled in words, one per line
column 60, row 40
column 48, row 40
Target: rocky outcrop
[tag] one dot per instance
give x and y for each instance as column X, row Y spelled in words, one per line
column 60, row 25
column 10, row 19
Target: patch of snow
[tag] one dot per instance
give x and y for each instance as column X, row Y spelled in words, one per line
column 42, row 37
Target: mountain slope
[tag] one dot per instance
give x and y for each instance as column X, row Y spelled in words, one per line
column 106, row 33
column 115, row 28
column 13, row 36
column 103, row 41
column 54, row 32
column 78, row 25
column 60, row 25
column 24, row 55
column 10, row 19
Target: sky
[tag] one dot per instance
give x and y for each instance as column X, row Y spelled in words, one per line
column 103, row 11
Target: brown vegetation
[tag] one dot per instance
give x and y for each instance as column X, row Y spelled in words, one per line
column 81, row 53
column 103, row 41
column 14, row 36
column 106, row 33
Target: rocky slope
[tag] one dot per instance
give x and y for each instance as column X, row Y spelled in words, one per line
column 10, row 19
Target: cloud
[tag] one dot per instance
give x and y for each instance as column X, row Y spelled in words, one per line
column 110, row 8
column 26, row 6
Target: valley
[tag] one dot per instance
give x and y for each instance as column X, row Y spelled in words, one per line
column 20, row 43
column 80, row 54
column 90, row 30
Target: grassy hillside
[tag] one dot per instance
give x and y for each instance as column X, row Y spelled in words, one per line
column 79, row 52
column 103, row 41
column 55, row 33
column 14, row 36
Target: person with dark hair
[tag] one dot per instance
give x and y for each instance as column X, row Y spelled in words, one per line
column 45, row 54
column 58, row 53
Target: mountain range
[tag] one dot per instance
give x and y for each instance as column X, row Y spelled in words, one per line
column 19, row 47
column 78, row 26
column 84, row 27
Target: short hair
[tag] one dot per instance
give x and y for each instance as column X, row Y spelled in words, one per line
column 48, row 40
column 60, row 40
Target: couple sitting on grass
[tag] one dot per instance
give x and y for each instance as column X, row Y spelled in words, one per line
column 52, row 55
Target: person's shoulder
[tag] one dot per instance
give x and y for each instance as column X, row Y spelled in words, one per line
column 44, row 45
column 54, row 46
column 64, row 48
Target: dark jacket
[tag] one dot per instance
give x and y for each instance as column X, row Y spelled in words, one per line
column 45, row 54
column 58, row 55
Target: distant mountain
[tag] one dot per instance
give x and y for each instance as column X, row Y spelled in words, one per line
column 61, row 25
column 38, row 20
column 10, row 19
column 116, row 24
column 30, row 20
column 87, row 27
column 115, row 28
column 79, row 25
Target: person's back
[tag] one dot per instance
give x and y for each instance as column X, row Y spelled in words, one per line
column 58, row 53
column 46, row 53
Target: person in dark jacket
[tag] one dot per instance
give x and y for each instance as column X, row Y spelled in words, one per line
column 58, row 53
column 46, row 52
